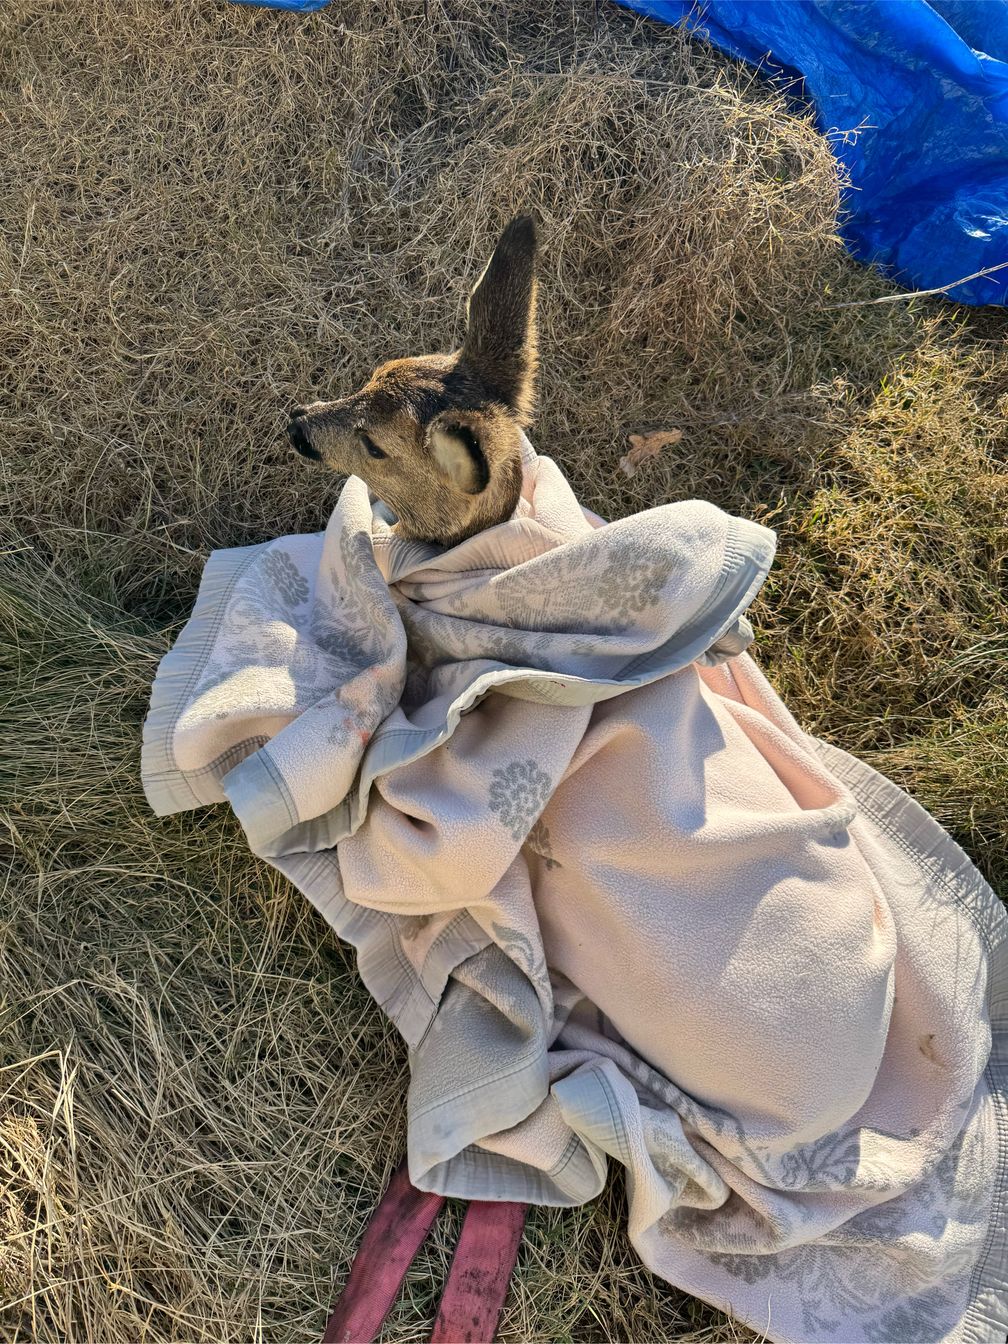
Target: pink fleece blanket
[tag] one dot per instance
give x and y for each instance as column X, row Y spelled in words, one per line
column 618, row 903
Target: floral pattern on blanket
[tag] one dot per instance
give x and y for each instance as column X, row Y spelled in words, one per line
column 357, row 614
column 547, row 596
column 259, row 627
column 521, row 949
column 285, row 577
column 518, row 793
column 832, row 1276
column 436, row 638
column 538, row 841
column 269, row 622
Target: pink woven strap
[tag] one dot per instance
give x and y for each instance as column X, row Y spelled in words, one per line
column 480, row 1273
column 477, row 1281
column 389, row 1245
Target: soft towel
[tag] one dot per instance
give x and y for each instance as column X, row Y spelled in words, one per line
column 617, row 902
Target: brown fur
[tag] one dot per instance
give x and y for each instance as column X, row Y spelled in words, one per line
column 448, row 425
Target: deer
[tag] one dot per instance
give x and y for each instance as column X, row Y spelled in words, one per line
column 437, row 438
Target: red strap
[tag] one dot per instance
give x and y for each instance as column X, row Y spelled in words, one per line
column 480, row 1273
column 388, row 1247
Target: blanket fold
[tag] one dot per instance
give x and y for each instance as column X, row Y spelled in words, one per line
column 617, row 903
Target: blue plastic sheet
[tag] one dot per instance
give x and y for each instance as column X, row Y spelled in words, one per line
column 300, row 6
column 929, row 85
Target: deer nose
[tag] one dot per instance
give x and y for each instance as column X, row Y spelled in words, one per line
column 297, row 432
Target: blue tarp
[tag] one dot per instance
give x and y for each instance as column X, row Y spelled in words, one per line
column 929, row 84
column 301, row 6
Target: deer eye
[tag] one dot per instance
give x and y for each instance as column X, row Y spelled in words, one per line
column 370, row 447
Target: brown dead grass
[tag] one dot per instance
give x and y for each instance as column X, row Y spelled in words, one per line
column 210, row 213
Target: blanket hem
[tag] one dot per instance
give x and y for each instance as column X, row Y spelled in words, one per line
column 168, row 788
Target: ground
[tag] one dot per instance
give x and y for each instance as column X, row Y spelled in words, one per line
column 211, row 213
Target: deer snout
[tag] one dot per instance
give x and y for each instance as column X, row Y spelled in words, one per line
column 300, row 436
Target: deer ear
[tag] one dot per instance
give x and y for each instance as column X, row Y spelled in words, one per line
column 455, row 446
column 500, row 344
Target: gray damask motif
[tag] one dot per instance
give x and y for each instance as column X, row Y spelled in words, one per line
column 285, row 577
column 834, row 1287
column 520, row 949
column 831, row 1276
column 739, row 1232
column 882, row 1223
column 422, row 629
column 921, row 1321
column 415, row 689
column 349, row 643
column 356, row 625
column 828, row 1163
column 519, row 649
column 518, row 793
column 558, row 593
column 749, row 1268
column 546, row 594
column 435, row 638
column 633, row 580
column 539, row 842
column 336, row 639
column 256, row 631
column 958, row 1177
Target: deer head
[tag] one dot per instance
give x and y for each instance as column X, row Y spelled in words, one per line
column 437, row 438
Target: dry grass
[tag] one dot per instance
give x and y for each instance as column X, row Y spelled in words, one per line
column 210, row 213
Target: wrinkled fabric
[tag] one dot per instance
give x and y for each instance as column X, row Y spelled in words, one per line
column 617, row 903
column 913, row 98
